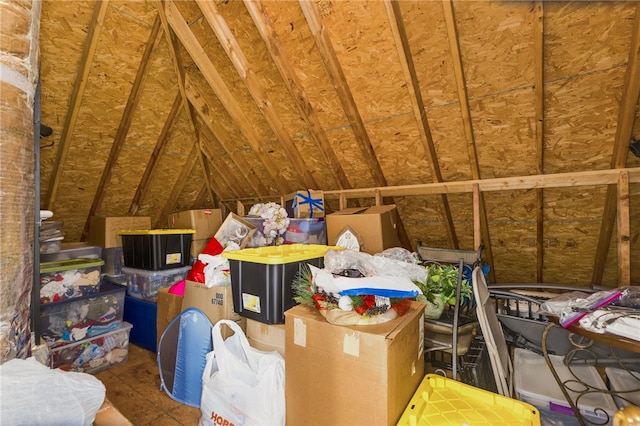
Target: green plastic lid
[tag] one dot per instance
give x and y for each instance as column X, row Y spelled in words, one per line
column 275, row 255
column 65, row 265
column 156, row 231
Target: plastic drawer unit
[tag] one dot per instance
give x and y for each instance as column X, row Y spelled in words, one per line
column 156, row 249
column 261, row 278
column 69, row 278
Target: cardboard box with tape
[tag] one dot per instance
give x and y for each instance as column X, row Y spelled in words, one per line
column 374, row 227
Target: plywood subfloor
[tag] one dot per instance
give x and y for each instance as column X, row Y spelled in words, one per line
column 134, row 389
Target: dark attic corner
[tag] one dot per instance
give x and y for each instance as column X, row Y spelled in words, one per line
column 387, row 212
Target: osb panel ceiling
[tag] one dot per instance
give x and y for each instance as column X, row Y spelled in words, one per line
column 160, row 106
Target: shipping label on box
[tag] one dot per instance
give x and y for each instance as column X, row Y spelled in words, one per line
column 204, row 221
column 103, row 231
column 368, row 373
column 374, row 227
column 216, row 302
column 305, row 204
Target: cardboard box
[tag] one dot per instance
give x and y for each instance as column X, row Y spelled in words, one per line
column 375, row 227
column 266, row 337
column 216, row 302
column 305, row 204
column 235, row 229
column 345, row 375
column 103, row 231
column 108, row 415
column 169, row 307
column 204, row 221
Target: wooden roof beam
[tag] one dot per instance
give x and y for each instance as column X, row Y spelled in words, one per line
column 463, row 97
column 163, row 138
column 125, row 123
column 190, row 42
column 203, row 110
column 419, row 111
column 624, row 129
column 86, row 60
column 185, row 171
column 334, row 69
column 223, row 176
column 179, row 71
column 516, row 183
column 258, row 92
column 296, row 91
column 538, row 47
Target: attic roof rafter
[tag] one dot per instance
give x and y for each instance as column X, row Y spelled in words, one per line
column 624, row 129
column 538, row 42
column 125, row 123
column 336, row 74
column 185, row 171
column 200, row 105
column 256, row 89
column 222, row 175
column 298, row 94
column 180, row 76
column 419, row 111
column 463, row 98
column 88, row 52
column 155, row 155
column 218, row 85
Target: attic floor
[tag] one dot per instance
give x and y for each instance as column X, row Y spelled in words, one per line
column 134, row 389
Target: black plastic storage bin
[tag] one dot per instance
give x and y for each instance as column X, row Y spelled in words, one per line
column 261, row 278
column 156, row 249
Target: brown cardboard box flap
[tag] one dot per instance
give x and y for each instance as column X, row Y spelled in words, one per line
column 169, row 307
column 204, row 221
column 103, row 230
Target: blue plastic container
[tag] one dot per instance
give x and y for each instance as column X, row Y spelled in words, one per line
column 142, row 315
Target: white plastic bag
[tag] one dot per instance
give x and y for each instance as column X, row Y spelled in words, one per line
column 33, row 394
column 241, row 385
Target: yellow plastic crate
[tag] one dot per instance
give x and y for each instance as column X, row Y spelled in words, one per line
column 443, row 401
column 277, row 255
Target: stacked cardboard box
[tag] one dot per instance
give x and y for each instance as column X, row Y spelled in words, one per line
column 103, row 232
column 204, row 221
column 346, row 375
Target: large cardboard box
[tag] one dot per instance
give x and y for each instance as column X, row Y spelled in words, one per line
column 346, row 375
column 103, row 230
column 266, row 337
column 169, row 307
column 375, row 226
column 204, row 221
column 216, row 302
